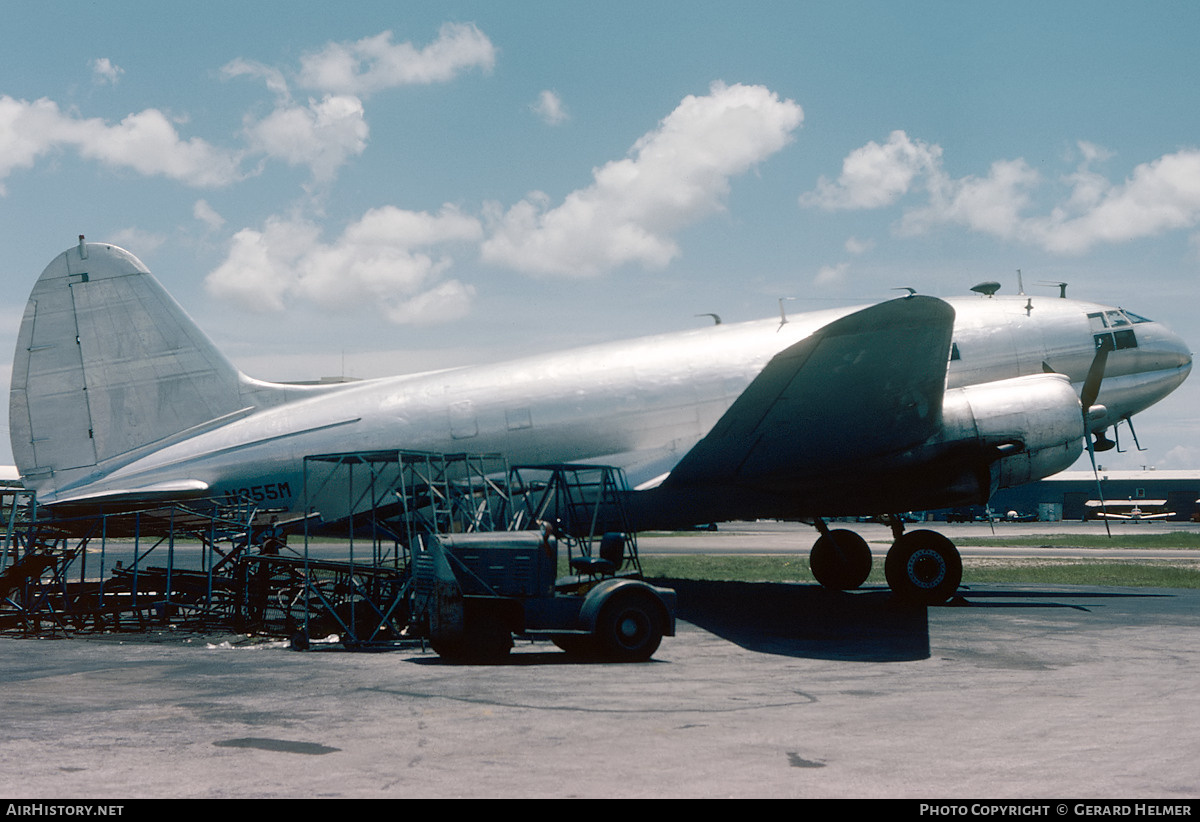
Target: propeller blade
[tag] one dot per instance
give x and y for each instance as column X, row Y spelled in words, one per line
column 1091, row 385
column 1099, row 489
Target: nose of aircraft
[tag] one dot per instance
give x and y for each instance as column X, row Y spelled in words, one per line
column 1166, row 360
column 1174, row 352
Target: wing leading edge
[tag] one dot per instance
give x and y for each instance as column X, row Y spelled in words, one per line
column 864, row 386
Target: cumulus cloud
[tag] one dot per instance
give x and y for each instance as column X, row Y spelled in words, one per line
column 990, row 204
column 549, row 107
column 855, row 246
column 876, row 175
column 105, row 72
column 392, row 259
column 206, row 214
column 327, row 131
column 274, row 79
column 376, row 63
column 146, row 142
column 829, row 274
column 322, row 135
column 1159, row 196
column 675, row 175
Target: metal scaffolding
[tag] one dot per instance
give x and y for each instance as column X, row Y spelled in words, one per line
column 391, row 499
column 226, row 563
column 94, row 572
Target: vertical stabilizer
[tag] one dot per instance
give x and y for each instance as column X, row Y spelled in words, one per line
column 106, row 363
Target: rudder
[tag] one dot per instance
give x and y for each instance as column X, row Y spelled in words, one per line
column 107, row 362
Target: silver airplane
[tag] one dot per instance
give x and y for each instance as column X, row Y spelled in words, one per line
column 910, row 404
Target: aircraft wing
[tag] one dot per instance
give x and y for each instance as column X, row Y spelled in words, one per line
column 864, row 386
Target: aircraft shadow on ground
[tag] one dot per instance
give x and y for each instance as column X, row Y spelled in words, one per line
column 805, row 620
column 1001, row 598
column 808, row 621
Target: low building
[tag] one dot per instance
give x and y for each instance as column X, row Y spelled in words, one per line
column 1066, row 495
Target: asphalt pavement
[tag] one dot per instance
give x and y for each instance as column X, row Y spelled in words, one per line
column 768, row 690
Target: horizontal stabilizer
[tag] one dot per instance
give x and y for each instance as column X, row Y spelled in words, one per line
column 173, row 489
column 865, row 385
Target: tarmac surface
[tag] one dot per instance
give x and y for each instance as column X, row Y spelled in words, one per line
column 768, row 690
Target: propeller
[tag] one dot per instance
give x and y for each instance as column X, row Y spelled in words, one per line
column 1087, row 401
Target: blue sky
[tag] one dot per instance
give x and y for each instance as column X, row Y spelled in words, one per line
column 373, row 188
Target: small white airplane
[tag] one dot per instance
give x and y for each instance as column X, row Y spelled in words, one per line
column 1131, row 511
column 911, row 404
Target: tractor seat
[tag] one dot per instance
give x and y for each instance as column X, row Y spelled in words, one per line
column 612, row 554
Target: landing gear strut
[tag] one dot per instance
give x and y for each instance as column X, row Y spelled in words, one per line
column 922, row 567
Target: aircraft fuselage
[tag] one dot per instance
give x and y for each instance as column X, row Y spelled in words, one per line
column 641, row 404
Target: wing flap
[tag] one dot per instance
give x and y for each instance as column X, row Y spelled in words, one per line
column 866, row 385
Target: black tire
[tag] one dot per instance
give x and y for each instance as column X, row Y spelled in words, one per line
column 629, row 628
column 923, row 567
column 840, row 560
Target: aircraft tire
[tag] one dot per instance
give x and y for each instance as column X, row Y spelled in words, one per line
column 840, row 560
column 628, row 628
column 923, row 567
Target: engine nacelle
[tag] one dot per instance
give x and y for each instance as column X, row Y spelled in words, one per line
column 1032, row 425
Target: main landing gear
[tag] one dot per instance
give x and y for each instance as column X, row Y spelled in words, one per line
column 922, row 567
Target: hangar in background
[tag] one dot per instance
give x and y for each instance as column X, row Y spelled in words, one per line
column 1065, row 495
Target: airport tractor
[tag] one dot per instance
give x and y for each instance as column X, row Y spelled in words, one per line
column 473, row 592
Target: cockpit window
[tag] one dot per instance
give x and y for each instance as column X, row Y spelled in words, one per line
column 1111, row 331
column 1114, row 318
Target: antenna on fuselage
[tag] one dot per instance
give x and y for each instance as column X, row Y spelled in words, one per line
column 782, row 314
column 1062, row 289
column 1020, row 284
column 716, row 317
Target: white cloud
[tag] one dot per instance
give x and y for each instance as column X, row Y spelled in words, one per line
column 876, row 175
column 146, row 242
column 1159, row 196
column 390, row 259
column 104, row 71
column 549, row 107
column 145, row 142
column 327, row 132
column 990, row 204
column 206, row 214
column 829, row 274
column 676, row 174
column 322, row 135
column 376, row 63
column 273, row 77
column 856, row 246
